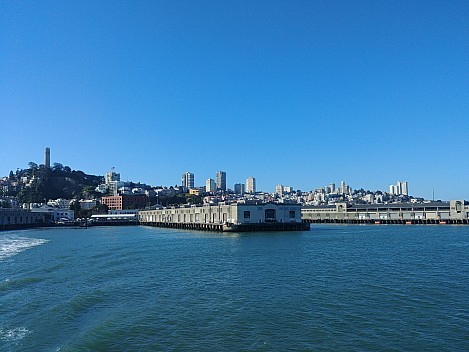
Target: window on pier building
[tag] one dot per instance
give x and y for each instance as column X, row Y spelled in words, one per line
column 270, row 214
column 292, row 214
column 247, row 214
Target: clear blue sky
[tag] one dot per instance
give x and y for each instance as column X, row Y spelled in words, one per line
column 301, row 93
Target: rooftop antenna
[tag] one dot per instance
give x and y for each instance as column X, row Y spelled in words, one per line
column 433, row 193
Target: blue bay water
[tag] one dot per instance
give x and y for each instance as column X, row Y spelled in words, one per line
column 334, row 288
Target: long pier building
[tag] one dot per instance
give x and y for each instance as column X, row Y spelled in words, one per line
column 19, row 218
column 228, row 216
column 452, row 212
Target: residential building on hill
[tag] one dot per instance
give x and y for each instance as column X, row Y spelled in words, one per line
column 251, row 185
column 187, row 179
column 112, row 176
column 210, row 185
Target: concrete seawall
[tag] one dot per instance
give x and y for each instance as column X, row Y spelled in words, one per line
column 231, row 227
column 387, row 222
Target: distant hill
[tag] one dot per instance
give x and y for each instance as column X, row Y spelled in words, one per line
column 39, row 183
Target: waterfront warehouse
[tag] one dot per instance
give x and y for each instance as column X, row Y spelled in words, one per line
column 453, row 212
column 228, row 216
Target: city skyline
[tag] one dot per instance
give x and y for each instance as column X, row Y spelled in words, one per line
column 112, row 179
column 188, row 181
column 302, row 93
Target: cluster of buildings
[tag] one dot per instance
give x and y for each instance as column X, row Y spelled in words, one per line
column 114, row 186
column 401, row 188
column 330, row 195
column 221, row 205
column 218, row 185
column 118, row 195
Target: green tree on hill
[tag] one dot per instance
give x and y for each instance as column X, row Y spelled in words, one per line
column 57, row 182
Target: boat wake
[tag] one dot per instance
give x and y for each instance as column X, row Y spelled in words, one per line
column 11, row 245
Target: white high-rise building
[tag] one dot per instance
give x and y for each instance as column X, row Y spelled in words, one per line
column 114, row 186
column 279, row 190
column 342, row 187
column 187, row 180
column 401, row 188
column 210, row 185
column 251, row 185
column 112, row 176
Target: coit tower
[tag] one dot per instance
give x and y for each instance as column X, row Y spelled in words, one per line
column 47, row 157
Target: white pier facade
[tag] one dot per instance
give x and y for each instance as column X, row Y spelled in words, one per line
column 235, row 216
column 453, row 212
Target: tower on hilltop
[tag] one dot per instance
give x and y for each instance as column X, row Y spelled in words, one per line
column 47, row 157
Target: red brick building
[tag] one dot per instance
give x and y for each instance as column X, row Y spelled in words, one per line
column 125, row 201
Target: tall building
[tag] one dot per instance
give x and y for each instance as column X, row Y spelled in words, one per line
column 405, row 189
column 279, row 189
column 113, row 187
column 239, row 188
column 401, row 188
column 342, row 187
column 221, row 180
column 112, row 176
column 332, row 186
column 251, row 185
column 188, row 180
column 47, row 157
column 210, row 185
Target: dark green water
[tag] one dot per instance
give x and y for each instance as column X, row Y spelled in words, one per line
column 334, row 288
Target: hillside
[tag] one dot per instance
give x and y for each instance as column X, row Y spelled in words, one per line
column 39, row 183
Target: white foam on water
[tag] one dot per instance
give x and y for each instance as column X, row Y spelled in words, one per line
column 11, row 245
column 13, row 334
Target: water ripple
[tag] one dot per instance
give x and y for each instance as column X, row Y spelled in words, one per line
column 334, row 289
column 14, row 334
